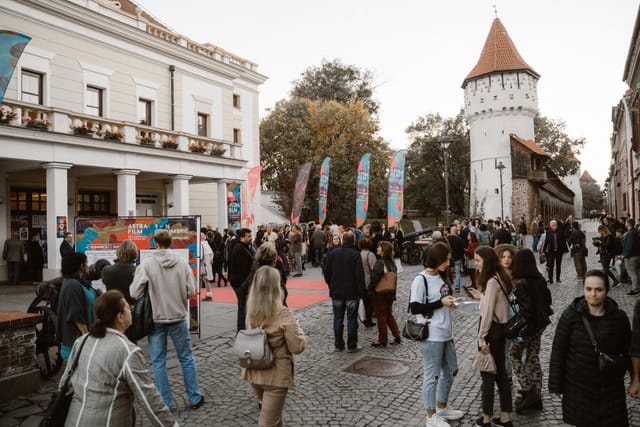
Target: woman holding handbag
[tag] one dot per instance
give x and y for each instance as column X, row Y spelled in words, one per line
column 494, row 284
column 384, row 279
column 285, row 337
column 431, row 300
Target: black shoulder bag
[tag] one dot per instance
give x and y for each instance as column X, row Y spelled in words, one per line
column 608, row 364
column 514, row 326
column 58, row 408
column 413, row 330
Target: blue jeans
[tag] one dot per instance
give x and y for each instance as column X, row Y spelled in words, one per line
column 441, row 365
column 534, row 244
column 339, row 308
column 179, row 333
column 458, row 266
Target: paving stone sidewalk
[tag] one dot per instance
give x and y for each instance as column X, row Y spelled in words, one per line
column 327, row 395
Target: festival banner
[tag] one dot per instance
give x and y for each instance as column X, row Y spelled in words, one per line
column 362, row 190
column 299, row 192
column 11, row 47
column 234, row 208
column 323, row 190
column 248, row 195
column 395, row 201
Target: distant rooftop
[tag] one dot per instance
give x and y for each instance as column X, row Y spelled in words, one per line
column 530, row 144
column 499, row 54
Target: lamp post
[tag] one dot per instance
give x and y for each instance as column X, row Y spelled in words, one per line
column 445, row 141
column 501, row 167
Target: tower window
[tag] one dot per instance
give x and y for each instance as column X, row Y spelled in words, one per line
column 495, row 97
column 510, row 96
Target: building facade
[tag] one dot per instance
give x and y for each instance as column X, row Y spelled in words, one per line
column 111, row 113
column 501, row 101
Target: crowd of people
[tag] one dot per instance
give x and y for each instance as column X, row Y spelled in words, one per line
column 506, row 268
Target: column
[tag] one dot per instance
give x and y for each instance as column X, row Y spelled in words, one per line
column 57, row 198
column 126, row 191
column 180, row 195
column 4, row 221
column 221, row 205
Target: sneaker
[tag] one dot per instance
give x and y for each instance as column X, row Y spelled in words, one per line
column 199, row 404
column 633, row 292
column 559, row 281
column 338, row 349
column 437, row 421
column 354, row 350
column 449, row 414
column 479, row 423
column 208, row 298
column 496, row 422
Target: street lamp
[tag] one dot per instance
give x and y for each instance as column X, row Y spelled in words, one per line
column 445, row 141
column 501, row 167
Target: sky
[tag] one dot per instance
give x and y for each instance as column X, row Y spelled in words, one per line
column 421, row 50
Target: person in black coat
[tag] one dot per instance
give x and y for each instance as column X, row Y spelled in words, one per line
column 555, row 245
column 607, row 244
column 534, row 302
column 591, row 397
column 35, row 257
column 120, row 274
column 344, row 274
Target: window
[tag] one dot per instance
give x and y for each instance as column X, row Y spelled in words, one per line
column 202, row 124
column 236, row 136
column 144, row 111
column 28, row 200
column 236, row 101
column 93, row 203
column 32, row 87
column 94, row 101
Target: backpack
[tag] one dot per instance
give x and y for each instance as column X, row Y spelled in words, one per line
column 483, row 238
column 252, row 349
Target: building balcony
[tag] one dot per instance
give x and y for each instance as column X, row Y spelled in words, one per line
column 539, row 175
column 47, row 119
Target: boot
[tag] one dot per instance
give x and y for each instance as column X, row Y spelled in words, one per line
column 531, row 401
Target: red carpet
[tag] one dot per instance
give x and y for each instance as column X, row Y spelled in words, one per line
column 302, row 293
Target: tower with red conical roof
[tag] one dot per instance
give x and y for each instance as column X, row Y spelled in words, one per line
column 500, row 98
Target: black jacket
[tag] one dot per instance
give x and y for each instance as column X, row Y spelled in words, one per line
column 344, row 274
column 589, row 398
column 548, row 242
column 577, row 241
column 376, row 275
column 119, row 276
column 534, row 300
column 457, row 247
column 240, row 262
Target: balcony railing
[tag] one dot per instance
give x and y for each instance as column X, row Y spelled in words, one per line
column 38, row 117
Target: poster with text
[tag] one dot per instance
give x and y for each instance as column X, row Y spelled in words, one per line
column 234, row 211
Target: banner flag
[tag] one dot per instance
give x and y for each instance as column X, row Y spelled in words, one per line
column 299, row 191
column 11, row 47
column 248, row 195
column 324, row 189
column 362, row 190
column 395, row 201
column 234, row 206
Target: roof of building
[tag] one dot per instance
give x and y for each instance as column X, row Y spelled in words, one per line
column 499, row 54
column 586, row 175
column 529, row 144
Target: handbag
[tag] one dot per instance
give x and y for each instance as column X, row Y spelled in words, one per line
column 484, row 362
column 387, row 283
column 58, row 408
column 141, row 318
column 543, row 258
column 252, row 349
column 412, row 329
column 516, row 324
column 608, row 364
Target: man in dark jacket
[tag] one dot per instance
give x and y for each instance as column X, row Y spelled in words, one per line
column 240, row 262
column 457, row 254
column 318, row 244
column 634, row 388
column 631, row 255
column 502, row 235
column 66, row 247
column 555, row 245
column 344, row 275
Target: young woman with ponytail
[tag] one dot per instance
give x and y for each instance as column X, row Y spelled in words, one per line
column 112, row 372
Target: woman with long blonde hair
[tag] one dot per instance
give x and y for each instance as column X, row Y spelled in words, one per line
column 285, row 337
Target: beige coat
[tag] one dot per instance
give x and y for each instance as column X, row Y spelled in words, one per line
column 286, row 338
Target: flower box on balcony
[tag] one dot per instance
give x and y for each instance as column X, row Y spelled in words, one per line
column 39, row 124
column 197, row 148
column 218, row 152
column 170, row 144
column 82, row 131
column 113, row 136
column 6, row 116
column 147, row 142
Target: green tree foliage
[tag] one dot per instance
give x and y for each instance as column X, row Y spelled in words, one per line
column 425, row 189
column 592, row 194
column 335, row 81
column 551, row 135
column 300, row 130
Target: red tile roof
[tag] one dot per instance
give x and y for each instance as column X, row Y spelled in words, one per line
column 499, row 54
column 529, row 144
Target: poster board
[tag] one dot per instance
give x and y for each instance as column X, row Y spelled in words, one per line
column 100, row 237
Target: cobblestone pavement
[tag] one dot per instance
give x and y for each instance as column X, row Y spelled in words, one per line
column 328, row 395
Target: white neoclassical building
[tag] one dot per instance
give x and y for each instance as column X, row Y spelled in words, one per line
column 107, row 105
column 508, row 176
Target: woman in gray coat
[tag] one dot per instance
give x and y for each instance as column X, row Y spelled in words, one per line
column 112, row 372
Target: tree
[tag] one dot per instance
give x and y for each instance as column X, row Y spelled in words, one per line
column 335, row 81
column 425, row 189
column 300, row 130
column 592, row 194
column 551, row 135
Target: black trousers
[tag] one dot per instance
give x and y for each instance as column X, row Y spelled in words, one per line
column 496, row 340
column 554, row 258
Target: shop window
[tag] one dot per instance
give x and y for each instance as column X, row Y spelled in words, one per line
column 93, row 203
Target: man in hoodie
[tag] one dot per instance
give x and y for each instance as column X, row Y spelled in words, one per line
column 171, row 283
